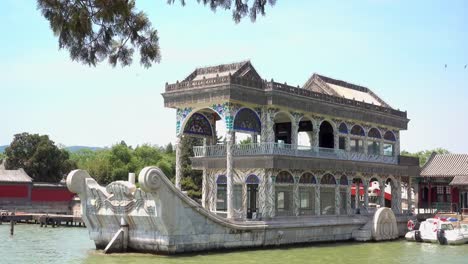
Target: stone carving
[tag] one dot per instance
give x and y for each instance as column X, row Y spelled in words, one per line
column 384, row 225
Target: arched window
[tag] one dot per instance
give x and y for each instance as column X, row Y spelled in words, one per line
column 327, row 195
column 284, row 194
column 199, row 125
column 389, row 136
column 344, row 180
column 326, row 138
column 343, row 128
column 252, row 179
column 307, row 194
column 357, row 144
column 357, row 130
column 328, row 179
column 307, row 178
column 373, row 145
column 221, row 193
column 284, row 177
column 389, row 147
column 247, row 120
column 374, row 133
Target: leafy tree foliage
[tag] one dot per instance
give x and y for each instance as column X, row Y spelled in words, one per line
column 191, row 179
column 42, row 160
column 114, row 164
column 93, row 30
column 424, row 155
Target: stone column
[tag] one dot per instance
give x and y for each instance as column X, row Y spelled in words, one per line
column 315, row 133
column 178, row 169
column 365, row 144
column 317, row 199
column 366, row 193
column 337, row 199
column 356, row 197
column 348, row 197
column 272, row 196
column 230, row 173
column 336, row 139
column 294, row 133
column 397, row 144
column 263, row 194
column 347, row 143
column 297, row 202
column 268, row 133
column 398, row 203
column 409, row 196
column 382, row 193
column 204, row 189
column 310, row 134
column 381, row 150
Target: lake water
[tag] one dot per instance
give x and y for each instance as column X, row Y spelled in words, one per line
column 32, row 244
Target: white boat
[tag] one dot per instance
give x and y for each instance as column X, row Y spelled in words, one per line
column 440, row 231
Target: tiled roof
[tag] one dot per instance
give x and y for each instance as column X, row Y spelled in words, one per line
column 234, row 69
column 459, row 180
column 14, row 176
column 326, row 85
column 446, row 165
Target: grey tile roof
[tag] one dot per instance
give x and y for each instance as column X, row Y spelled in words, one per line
column 446, row 165
column 459, row 180
column 326, row 85
column 13, row 175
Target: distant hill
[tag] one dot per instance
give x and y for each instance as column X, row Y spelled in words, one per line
column 71, row 148
column 78, row 148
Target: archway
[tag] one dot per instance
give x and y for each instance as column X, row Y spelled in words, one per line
column 284, row 194
column 326, row 136
column 252, row 182
column 307, row 184
column 327, row 194
column 247, row 126
column 304, row 134
column 375, row 193
column 357, row 193
column 282, row 128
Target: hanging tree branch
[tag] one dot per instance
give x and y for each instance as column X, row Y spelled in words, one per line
column 93, row 30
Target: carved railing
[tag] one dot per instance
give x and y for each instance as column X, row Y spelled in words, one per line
column 274, row 86
column 256, row 149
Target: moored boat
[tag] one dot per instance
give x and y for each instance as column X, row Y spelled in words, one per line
column 442, row 231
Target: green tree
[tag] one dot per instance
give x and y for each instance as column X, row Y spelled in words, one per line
column 191, row 179
column 424, row 155
column 95, row 30
column 39, row 157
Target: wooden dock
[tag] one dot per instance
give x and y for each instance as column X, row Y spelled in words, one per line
column 43, row 220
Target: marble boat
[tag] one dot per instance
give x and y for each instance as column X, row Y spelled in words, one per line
column 159, row 218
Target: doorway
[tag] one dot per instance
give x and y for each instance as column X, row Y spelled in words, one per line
column 252, row 201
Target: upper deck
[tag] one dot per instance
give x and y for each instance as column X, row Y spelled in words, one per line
column 319, row 95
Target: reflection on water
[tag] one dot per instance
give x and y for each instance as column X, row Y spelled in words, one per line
column 32, row 244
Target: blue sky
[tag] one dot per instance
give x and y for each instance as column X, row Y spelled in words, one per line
column 396, row 48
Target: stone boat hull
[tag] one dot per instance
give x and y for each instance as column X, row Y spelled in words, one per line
column 159, row 218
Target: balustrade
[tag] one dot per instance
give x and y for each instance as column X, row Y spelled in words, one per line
column 264, row 148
